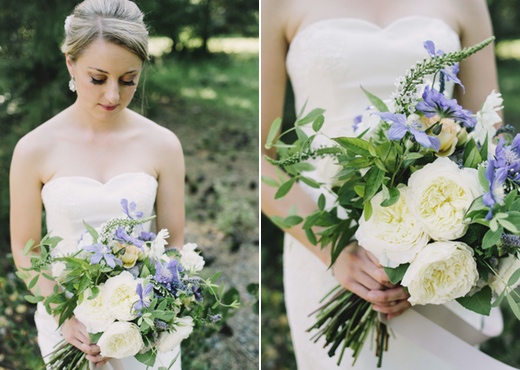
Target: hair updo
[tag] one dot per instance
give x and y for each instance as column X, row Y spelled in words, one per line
column 116, row 21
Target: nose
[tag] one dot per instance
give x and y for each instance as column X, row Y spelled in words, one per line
column 112, row 92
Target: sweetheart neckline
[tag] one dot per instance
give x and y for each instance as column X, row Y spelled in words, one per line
column 374, row 25
column 99, row 183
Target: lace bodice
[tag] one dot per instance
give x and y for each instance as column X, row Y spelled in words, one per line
column 71, row 200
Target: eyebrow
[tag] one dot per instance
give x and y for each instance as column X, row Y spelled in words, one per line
column 126, row 73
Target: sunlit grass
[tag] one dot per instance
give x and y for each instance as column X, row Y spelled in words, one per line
column 159, row 46
column 509, row 49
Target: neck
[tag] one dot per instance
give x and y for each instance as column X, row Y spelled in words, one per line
column 96, row 122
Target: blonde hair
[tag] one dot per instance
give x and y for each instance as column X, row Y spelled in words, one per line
column 116, row 21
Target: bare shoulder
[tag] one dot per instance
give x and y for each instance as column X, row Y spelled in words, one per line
column 161, row 139
column 471, row 14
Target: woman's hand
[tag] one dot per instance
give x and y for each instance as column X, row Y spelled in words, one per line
column 76, row 334
column 360, row 272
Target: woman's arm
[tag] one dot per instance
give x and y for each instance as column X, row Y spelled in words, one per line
column 478, row 73
column 170, row 193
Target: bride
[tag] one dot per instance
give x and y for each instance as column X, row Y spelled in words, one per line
column 80, row 164
column 329, row 49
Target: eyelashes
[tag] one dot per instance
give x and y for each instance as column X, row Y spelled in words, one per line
column 100, row 82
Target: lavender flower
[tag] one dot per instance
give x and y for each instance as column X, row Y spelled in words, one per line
column 101, row 251
column 400, row 127
column 435, row 103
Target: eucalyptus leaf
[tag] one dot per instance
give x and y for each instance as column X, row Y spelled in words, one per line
column 321, row 202
column 513, row 305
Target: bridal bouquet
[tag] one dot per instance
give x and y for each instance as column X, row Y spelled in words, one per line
column 426, row 186
column 134, row 297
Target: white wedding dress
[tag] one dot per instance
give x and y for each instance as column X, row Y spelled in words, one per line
column 68, row 202
column 328, row 62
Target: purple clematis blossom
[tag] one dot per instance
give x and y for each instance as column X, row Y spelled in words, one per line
column 129, row 209
column 103, row 252
column 435, row 103
column 497, row 177
column 122, row 236
column 144, row 297
column 450, row 73
column 167, row 273
column 400, row 127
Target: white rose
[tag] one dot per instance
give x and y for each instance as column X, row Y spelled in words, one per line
column 169, row 341
column 157, row 247
column 190, row 259
column 441, row 193
column 487, row 118
column 59, row 271
column 441, row 272
column 120, row 340
column 507, row 266
column 120, row 295
column 392, row 233
column 93, row 314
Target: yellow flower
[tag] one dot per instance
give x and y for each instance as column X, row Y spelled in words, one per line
column 131, row 255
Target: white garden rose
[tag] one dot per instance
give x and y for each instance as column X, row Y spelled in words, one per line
column 506, row 268
column 190, row 259
column 441, row 193
column 169, row 341
column 441, row 272
column 392, row 233
column 120, row 295
column 92, row 313
column 120, row 340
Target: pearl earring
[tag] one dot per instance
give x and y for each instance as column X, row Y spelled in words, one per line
column 72, row 84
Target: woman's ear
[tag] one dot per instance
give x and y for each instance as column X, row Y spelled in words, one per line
column 70, row 64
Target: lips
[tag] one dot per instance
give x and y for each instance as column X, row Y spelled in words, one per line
column 108, row 107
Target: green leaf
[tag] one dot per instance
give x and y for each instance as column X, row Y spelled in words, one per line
column 491, row 238
column 311, row 236
column 33, row 299
column 514, row 278
column 285, row 188
column 91, row 231
column 393, row 197
column 273, row 132
column 321, row 202
column 374, row 178
column 310, row 117
column 312, row 183
column 286, row 222
column 471, row 155
column 269, row 181
column 479, row 302
column 33, row 282
column 28, row 246
column 514, row 306
column 367, row 210
column 302, row 136
column 318, row 123
column 354, row 145
column 303, row 166
column 376, row 102
column 396, row 274
column 482, row 177
column 511, row 222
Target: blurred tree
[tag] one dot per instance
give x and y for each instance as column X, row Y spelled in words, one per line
column 505, row 15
